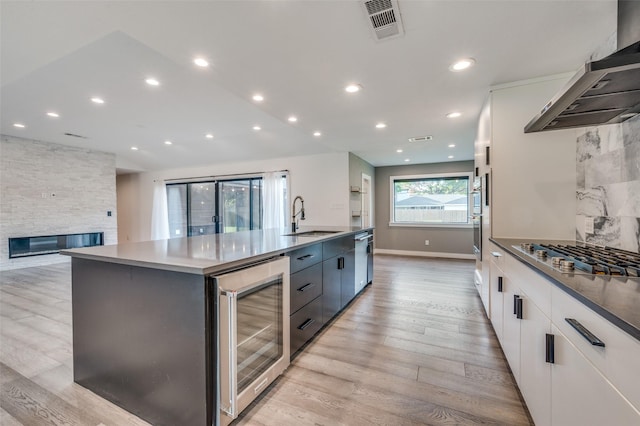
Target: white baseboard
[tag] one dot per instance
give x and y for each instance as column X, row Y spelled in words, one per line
column 425, row 254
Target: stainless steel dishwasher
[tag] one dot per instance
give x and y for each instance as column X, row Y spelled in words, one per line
column 361, row 243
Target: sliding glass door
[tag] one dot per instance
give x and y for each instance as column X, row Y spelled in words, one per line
column 240, row 204
column 201, row 208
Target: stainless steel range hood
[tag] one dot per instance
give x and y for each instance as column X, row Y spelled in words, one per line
column 603, row 92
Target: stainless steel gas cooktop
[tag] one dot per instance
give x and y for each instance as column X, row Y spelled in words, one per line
column 584, row 259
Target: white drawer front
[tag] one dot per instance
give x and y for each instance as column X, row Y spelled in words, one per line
column 496, row 254
column 536, row 286
column 619, row 360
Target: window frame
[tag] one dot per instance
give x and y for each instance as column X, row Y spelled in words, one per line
column 393, row 179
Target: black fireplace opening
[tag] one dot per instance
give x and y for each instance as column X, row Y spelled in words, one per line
column 51, row 244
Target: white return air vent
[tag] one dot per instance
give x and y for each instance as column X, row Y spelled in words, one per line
column 384, row 18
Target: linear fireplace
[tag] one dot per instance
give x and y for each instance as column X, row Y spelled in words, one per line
column 50, row 244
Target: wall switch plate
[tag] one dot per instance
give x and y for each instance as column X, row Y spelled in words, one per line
column 588, row 225
column 426, row 242
column 108, row 212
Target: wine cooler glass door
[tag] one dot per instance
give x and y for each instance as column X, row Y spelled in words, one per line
column 254, row 332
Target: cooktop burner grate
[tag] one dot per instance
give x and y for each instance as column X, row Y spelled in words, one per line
column 590, row 259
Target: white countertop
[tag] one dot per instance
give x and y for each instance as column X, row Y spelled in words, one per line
column 207, row 253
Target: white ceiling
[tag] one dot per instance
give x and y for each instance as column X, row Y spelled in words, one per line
column 298, row 54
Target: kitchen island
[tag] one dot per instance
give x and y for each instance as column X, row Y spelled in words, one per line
column 145, row 314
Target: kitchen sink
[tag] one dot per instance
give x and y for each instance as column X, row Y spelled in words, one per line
column 311, row 234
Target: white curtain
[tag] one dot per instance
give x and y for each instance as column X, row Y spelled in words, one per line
column 160, row 213
column 274, row 201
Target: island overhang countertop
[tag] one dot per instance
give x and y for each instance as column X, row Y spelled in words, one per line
column 207, row 254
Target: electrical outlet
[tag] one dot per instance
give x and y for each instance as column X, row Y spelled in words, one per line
column 426, row 242
column 588, row 225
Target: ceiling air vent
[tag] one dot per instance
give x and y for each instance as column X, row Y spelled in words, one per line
column 384, row 18
column 73, row 135
column 421, row 138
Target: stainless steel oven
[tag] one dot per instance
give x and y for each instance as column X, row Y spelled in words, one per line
column 253, row 333
column 476, row 217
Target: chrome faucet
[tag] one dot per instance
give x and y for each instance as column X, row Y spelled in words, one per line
column 294, row 225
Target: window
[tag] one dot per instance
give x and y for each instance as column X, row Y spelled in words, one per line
column 431, row 200
column 210, row 207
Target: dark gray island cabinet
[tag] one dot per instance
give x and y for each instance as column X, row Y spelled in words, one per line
column 145, row 315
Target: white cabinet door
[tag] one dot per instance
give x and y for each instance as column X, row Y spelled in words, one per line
column 580, row 394
column 511, row 327
column 618, row 360
column 496, row 284
column 535, row 372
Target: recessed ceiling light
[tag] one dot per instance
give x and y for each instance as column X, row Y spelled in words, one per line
column 201, row 62
column 317, row 134
column 53, row 114
column 454, row 114
column 453, row 145
column 292, row 119
column 168, row 143
column 258, row 97
column 96, row 100
column 407, row 160
column 152, row 81
column 380, row 126
column 257, row 128
column 462, row 64
column 398, row 151
column 134, row 148
column 20, row 125
column 353, row 88
column 208, row 136
column 451, row 156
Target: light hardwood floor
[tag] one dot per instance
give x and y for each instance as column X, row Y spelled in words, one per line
column 415, row 348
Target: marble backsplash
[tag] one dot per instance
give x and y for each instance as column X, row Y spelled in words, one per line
column 608, row 185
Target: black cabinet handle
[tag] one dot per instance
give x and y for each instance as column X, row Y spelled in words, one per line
column 515, row 304
column 306, row 286
column 306, row 324
column 549, row 348
column 306, row 256
column 499, row 284
column 584, row 332
column 519, row 308
column 341, row 263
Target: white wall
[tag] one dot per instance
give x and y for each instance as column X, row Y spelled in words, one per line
column 84, row 184
column 533, row 175
column 323, row 181
column 128, row 193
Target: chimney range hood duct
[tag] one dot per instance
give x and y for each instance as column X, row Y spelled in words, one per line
column 603, row 92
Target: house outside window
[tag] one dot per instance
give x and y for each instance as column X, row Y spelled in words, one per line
column 431, row 200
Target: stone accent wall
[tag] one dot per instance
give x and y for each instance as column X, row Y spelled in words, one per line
column 49, row 189
column 608, row 185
